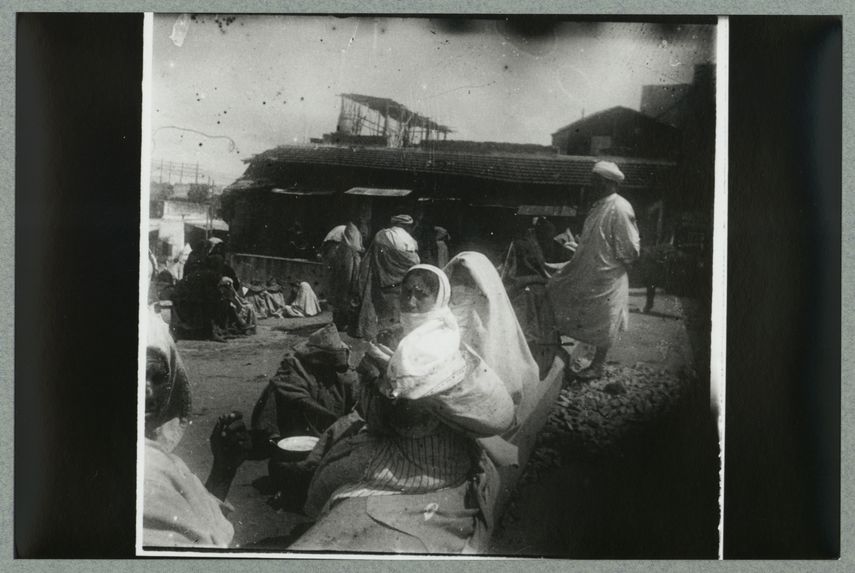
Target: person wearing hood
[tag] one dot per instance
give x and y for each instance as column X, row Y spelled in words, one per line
column 391, row 254
column 178, row 510
column 343, row 258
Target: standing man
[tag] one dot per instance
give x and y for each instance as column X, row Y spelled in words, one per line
column 590, row 294
column 391, row 254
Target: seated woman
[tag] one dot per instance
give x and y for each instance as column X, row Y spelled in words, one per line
column 423, row 404
column 236, row 316
column 487, row 319
column 256, row 295
column 435, row 518
column 275, row 297
column 177, row 509
column 304, row 302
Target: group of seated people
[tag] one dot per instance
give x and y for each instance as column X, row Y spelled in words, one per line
column 209, row 302
column 425, row 410
column 270, row 300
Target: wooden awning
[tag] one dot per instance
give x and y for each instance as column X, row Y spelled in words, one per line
column 377, row 192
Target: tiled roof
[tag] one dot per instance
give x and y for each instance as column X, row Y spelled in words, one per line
column 560, row 170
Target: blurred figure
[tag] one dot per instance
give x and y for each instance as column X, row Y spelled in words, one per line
column 343, row 258
column 564, row 246
column 178, row 263
column 524, row 275
column 544, row 233
column 441, row 237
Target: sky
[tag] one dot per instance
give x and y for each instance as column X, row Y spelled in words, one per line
column 227, row 87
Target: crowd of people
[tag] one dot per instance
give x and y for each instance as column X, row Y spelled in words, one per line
column 452, row 352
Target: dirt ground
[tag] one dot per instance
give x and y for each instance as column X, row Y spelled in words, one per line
column 657, row 497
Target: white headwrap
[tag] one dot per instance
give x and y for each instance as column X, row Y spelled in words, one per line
column 427, row 360
column 488, row 323
column 396, row 238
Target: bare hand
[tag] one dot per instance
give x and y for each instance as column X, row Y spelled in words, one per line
column 379, row 352
column 230, row 440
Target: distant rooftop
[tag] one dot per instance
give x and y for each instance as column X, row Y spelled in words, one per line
column 616, row 112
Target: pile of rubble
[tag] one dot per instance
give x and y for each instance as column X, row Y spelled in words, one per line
column 594, row 419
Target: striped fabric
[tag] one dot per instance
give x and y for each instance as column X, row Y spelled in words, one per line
column 415, row 465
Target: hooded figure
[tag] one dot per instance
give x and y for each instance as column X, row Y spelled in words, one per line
column 381, row 273
column 311, row 389
column 343, row 259
column 177, row 509
column 305, row 302
column 487, row 319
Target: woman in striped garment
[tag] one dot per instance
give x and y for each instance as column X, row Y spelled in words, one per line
column 423, row 405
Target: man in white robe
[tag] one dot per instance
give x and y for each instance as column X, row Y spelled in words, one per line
column 590, row 294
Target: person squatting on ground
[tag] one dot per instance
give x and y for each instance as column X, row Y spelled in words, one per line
column 177, row 509
column 312, row 388
column 590, row 295
column 391, row 254
column 421, row 407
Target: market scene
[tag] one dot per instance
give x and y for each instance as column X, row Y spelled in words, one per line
column 393, row 334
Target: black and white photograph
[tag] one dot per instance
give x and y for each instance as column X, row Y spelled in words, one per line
column 430, row 286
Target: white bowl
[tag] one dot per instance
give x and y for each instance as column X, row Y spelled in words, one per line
column 297, row 443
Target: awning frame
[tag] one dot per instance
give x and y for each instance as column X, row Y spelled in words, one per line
column 377, row 192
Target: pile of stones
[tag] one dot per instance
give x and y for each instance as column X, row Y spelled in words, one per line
column 592, row 420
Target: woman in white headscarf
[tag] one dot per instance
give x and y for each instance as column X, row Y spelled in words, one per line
column 177, row 509
column 488, row 323
column 424, row 404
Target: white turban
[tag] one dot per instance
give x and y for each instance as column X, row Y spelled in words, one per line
column 608, row 170
column 402, row 220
